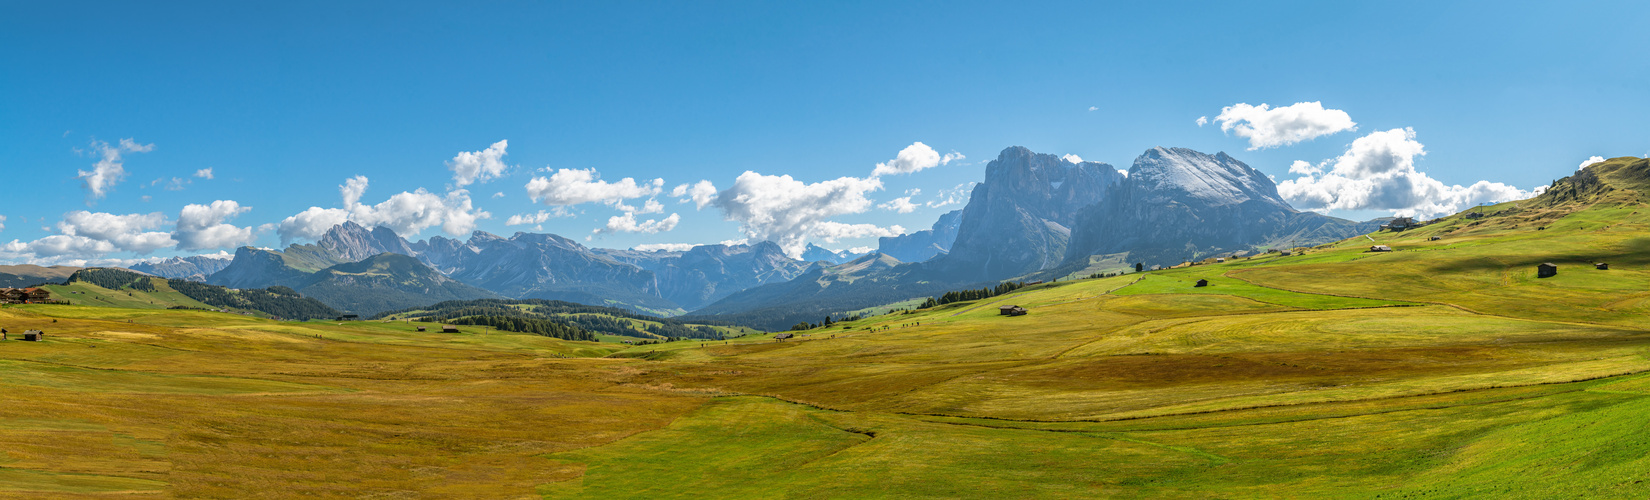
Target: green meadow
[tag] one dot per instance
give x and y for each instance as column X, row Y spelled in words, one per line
column 1444, row 369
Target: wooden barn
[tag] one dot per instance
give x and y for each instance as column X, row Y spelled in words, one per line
column 422, row 328
column 1201, row 282
column 1601, row 266
column 1546, row 270
column 1380, row 248
column 449, row 329
column 34, row 336
column 784, row 336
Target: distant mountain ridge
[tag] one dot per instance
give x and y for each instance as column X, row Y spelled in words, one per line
column 526, row 266
column 1178, row 204
column 925, row 244
column 192, row 268
column 1038, row 216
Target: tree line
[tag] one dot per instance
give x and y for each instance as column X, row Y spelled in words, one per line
column 522, row 325
column 967, row 295
column 278, row 301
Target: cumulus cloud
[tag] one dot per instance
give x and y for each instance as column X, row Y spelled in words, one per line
column 701, row 193
column 664, row 247
column 1267, row 127
column 406, row 213
column 1202, row 120
column 205, row 173
column 110, row 169
column 832, row 231
column 787, row 211
column 1590, row 161
column 202, row 227
column 860, row 250
column 913, row 158
column 953, row 196
column 1094, row 108
column 470, row 167
column 130, row 232
column 569, row 187
column 627, row 224
column 1378, row 172
column 901, row 205
column 537, row 218
column 83, row 236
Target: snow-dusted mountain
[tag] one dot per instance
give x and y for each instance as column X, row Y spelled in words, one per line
column 1179, row 204
column 193, row 268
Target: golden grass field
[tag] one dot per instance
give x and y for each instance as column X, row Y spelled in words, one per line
column 1445, row 369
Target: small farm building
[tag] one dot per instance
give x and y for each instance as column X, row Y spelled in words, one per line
column 784, row 336
column 421, row 328
column 1013, row 311
column 349, row 317
column 1546, row 270
column 1202, row 282
column 1601, row 266
column 1380, row 248
column 449, row 329
column 34, row 336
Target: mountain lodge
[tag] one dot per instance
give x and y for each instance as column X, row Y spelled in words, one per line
column 24, row 295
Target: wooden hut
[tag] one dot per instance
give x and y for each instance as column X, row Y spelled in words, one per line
column 784, row 336
column 1201, row 282
column 1005, row 310
column 421, row 328
column 1380, row 248
column 449, row 329
column 1015, row 311
column 34, row 336
column 1601, row 266
column 1546, row 270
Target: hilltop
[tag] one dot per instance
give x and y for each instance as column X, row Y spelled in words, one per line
column 1443, row 368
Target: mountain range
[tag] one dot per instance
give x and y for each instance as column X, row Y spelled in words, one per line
column 1034, row 216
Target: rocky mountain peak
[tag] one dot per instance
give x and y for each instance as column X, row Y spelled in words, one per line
column 1215, row 180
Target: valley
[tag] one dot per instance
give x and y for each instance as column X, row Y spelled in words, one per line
column 1443, row 369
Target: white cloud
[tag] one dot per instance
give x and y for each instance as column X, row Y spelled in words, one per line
column 470, row 167
column 406, row 213
column 128, row 232
column 899, row 205
column 913, row 158
column 2, row 223
column 569, row 187
column 498, row 195
column 109, row 169
column 1202, row 120
column 1304, row 168
column 537, row 218
column 176, row 184
column 859, row 250
column 1590, row 161
column 832, row 231
column 701, row 193
column 787, row 211
column 652, row 207
column 664, row 247
column 1378, row 172
column 1270, row 128
column 627, row 224
column 732, row 243
column 1071, row 158
column 953, row 196
column 205, row 173
column 201, row 227
column 1094, row 108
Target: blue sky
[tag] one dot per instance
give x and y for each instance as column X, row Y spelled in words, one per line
column 286, row 102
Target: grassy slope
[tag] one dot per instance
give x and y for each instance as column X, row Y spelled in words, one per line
column 1442, row 370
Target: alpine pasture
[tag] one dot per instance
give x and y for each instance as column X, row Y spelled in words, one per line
column 1444, row 369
